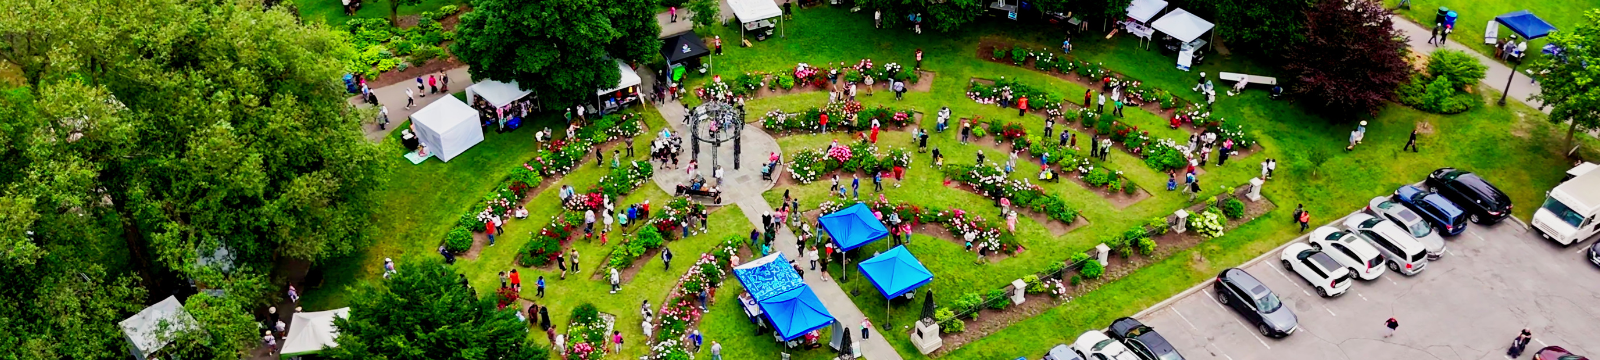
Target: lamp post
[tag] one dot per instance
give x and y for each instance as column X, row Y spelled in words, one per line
column 1508, row 82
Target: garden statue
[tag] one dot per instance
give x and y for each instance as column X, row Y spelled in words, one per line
column 927, row 305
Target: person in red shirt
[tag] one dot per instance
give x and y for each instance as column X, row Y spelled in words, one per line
column 516, row 281
column 919, row 59
column 824, row 122
column 1022, row 106
column 433, row 84
column 1086, row 96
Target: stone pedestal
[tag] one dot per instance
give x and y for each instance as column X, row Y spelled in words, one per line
column 1180, row 222
column 925, row 336
column 1102, row 252
column 1019, row 296
column 1255, row 189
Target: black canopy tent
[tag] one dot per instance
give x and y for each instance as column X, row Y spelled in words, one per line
column 682, row 51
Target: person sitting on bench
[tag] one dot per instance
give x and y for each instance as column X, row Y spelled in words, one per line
column 1277, row 91
column 1047, row 174
column 1238, row 87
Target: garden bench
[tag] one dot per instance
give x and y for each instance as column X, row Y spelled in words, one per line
column 714, row 195
column 1254, row 79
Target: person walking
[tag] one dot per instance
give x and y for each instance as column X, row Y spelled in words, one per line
column 1194, row 189
column 444, row 82
column 666, row 258
column 919, row 60
column 877, row 181
column 616, row 280
column 1118, row 110
column 716, row 41
column 673, row 12
column 877, row 19
column 716, row 350
column 433, row 84
column 1519, row 344
column 1305, row 220
column 1411, row 143
column 866, row 324
column 1022, row 107
column 1390, row 325
column 1086, row 97
column 561, row 262
column 294, row 296
column 540, row 284
column 811, row 254
column 1101, row 99
column 616, row 337
column 420, row 87
column 966, row 130
column 411, row 99
column 1105, row 148
column 574, row 259
column 516, row 281
column 855, row 186
column 835, row 187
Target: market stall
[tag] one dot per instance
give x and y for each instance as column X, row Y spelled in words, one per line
column 1140, row 12
column 446, row 128
column 1183, row 31
column 502, row 101
column 853, row 227
column 682, row 52
column 312, row 332
column 625, row 93
column 776, row 297
column 895, row 272
column 756, row 16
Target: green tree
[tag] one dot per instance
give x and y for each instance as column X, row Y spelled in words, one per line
column 1267, row 26
column 1463, row 70
column 1568, row 83
column 394, row 9
column 706, row 12
column 422, row 312
column 566, row 54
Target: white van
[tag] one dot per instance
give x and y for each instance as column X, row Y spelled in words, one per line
column 1405, row 254
column 1569, row 213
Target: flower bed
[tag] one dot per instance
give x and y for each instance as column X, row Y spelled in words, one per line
column 1047, row 61
column 631, row 248
column 379, row 45
column 992, row 182
column 810, row 164
column 588, row 332
column 672, row 217
column 547, row 242
column 839, row 115
column 1038, row 98
column 681, row 312
column 982, row 233
column 621, row 181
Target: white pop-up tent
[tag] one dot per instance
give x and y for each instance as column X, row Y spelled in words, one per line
column 152, row 328
column 1144, row 10
column 629, row 79
column 1182, row 25
column 447, row 127
column 312, row 332
column 625, row 92
column 755, row 14
column 498, row 94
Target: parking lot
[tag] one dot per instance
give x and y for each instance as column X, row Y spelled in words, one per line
column 1492, row 282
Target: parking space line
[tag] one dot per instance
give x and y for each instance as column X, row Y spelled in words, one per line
column 1185, row 318
column 1291, row 280
column 1247, row 329
column 1541, row 342
column 1219, row 351
column 1452, row 253
column 1363, row 297
column 1330, row 311
column 1474, row 234
column 1391, row 281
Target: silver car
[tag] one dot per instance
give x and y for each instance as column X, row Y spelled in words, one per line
column 1409, row 221
column 1404, row 254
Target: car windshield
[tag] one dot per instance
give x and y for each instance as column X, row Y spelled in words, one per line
column 1419, row 229
column 1561, row 211
column 1102, row 344
column 1265, row 299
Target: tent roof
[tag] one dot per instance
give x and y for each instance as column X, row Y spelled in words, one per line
column 768, row 276
column 145, row 330
column 498, row 93
column 1526, row 24
column 311, row 332
column 445, row 114
column 754, row 10
column 1182, row 25
column 853, row 227
column 796, row 312
column 684, row 46
column 895, row 272
column 629, row 78
column 1144, row 10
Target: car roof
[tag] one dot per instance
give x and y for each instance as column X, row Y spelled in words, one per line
column 1450, row 208
column 1124, row 325
column 1481, row 186
column 1395, row 235
column 1361, row 247
column 1403, row 213
column 1156, row 343
column 1326, row 262
column 1407, row 191
column 1246, row 281
column 1063, row 352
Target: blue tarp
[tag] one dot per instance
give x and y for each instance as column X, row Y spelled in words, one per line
column 768, row 276
column 796, row 312
column 1526, row 24
column 852, row 227
column 895, row 272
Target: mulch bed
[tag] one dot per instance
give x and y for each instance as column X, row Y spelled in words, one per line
column 439, row 65
column 1056, row 227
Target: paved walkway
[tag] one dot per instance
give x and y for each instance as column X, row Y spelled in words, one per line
column 395, row 97
column 1521, row 87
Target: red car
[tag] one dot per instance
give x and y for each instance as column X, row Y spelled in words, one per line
column 1556, row 353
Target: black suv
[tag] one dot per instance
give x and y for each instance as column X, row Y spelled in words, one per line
column 1144, row 340
column 1252, row 299
column 1483, row 203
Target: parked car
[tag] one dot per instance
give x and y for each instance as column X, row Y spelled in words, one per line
column 1326, row 275
column 1095, row 345
column 1439, row 211
column 1143, row 340
column 1363, row 260
column 1247, row 296
column 1062, row 352
column 1556, row 353
column 1401, row 252
column 1410, row 222
column 1483, row 203
column 1594, row 253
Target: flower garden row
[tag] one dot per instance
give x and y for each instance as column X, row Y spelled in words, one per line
column 842, row 116
column 680, row 313
column 961, row 223
column 803, row 76
column 1045, row 60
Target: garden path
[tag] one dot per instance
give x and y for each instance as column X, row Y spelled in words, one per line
column 1521, row 87
column 395, row 97
column 744, row 187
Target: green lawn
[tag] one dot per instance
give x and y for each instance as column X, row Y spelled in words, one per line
column 331, row 12
column 1475, row 14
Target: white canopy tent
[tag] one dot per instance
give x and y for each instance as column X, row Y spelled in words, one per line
column 1182, row 25
column 151, row 329
column 447, row 127
column 629, row 79
column 312, row 332
column 626, row 85
column 1144, row 10
column 755, row 14
column 498, row 94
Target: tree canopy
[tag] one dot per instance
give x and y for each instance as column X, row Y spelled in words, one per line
column 147, row 132
column 423, row 312
column 1352, row 57
column 560, row 48
column 1567, row 83
column 1267, row 26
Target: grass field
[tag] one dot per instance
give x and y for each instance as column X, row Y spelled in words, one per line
column 331, row 12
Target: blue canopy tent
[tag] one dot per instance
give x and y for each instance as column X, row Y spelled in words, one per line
column 895, row 272
column 1530, row 27
column 853, row 227
column 782, row 296
column 1526, row 24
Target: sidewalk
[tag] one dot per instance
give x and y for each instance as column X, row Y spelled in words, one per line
column 394, row 96
column 1521, row 87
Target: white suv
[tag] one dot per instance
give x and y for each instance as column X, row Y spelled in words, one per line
column 1095, row 345
column 1327, row 275
column 1361, row 258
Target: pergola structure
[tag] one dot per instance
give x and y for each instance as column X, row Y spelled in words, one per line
column 716, row 123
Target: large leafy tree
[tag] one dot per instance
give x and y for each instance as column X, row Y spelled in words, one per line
column 422, row 312
column 706, row 12
column 1352, row 57
column 148, row 131
column 1568, row 83
column 562, row 48
column 1261, row 25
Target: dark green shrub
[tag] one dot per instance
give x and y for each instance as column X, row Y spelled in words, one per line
column 458, row 240
column 1076, row 280
column 1146, row 246
column 469, row 220
column 997, row 299
column 1233, row 208
column 1092, row 270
